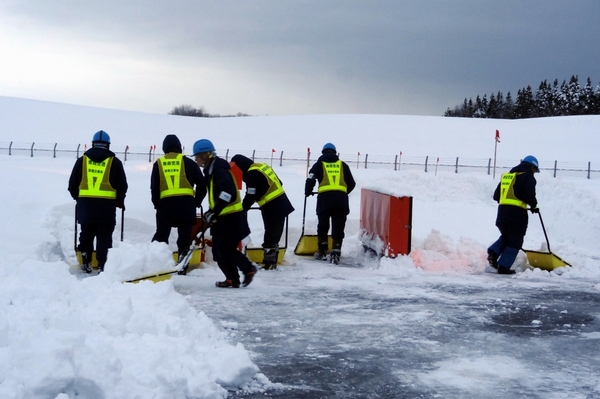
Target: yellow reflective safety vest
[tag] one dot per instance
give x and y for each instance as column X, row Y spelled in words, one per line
column 275, row 189
column 173, row 181
column 507, row 190
column 234, row 206
column 95, row 179
column 333, row 177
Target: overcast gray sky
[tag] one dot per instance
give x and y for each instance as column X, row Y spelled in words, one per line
column 415, row 57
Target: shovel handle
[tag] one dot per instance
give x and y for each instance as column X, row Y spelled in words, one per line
column 304, row 213
column 544, row 230
column 122, row 222
column 75, row 229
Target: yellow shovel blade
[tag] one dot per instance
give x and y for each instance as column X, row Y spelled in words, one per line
column 308, row 245
column 256, row 254
column 154, row 277
column 195, row 260
column 544, row 260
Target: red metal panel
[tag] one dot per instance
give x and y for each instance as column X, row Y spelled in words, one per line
column 389, row 218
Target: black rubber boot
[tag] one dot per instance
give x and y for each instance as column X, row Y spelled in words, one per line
column 86, row 262
column 228, row 284
column 492, row 259
column 323, row 248
column 336, row 251
column 270, row 258
column 249, row 276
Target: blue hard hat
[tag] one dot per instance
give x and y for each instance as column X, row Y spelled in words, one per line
column 530, row 159
column 329, row 146
column 203, row 145
column 101, row 137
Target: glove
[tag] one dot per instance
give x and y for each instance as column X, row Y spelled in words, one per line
column 210, row 217
column 121, row 205
column 535, row 210
column 309, row 193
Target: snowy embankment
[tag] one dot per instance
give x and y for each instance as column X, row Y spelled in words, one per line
column 100, row 338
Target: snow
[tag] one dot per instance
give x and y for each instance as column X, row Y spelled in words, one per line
column 67, row 335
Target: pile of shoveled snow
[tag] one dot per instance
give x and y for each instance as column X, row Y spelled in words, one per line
column 98, row 337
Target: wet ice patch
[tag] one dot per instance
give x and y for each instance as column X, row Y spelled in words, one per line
column 472, row 374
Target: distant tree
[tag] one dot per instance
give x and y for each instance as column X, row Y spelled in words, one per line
column 508, row 109
column 500, row 105
column 524, row 104
column 557, row 101
column 589, row 99
column 478, row 110
column 188, row 110
column 548, row 100
column 572, row 94
column 492, row 108
column 543, row 100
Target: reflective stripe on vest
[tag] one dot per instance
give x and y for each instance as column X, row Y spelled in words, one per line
column 173, row 181
column 275, row 188
column 95, row 179
column 507, row 190
column 333, row 177
column 235, row 206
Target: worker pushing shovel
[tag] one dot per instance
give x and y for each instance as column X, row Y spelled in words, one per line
column 515, row 195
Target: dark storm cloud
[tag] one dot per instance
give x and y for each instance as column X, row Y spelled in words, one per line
column 428, row 54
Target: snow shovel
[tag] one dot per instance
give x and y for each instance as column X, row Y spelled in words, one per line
column 544, row 260
column 308, row 245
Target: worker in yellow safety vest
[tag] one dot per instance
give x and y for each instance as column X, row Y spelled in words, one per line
column 226, row 216
column 177, row 187
column 335, row 183
column 264, row 187
column 515, row 195
column 99, row 185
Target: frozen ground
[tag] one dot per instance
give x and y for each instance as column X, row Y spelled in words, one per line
column 390, row 331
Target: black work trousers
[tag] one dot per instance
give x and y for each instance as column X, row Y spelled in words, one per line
column 184, row 232
column 225, row 251
column 338, row 223
column 273, row 230
column 102, row 232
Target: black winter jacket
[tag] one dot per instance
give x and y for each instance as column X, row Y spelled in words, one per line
column 329, row 199
column 98, row 210
column 233, row 225
column 178, row 207
column 524, row 188
column 257, row 186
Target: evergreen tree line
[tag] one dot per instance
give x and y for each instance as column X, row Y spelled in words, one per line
column 188, row 110
column 548, row 100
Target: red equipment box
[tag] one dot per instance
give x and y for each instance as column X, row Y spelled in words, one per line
column 386, row 223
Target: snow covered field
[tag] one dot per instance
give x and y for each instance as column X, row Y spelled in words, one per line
column 431, row 324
